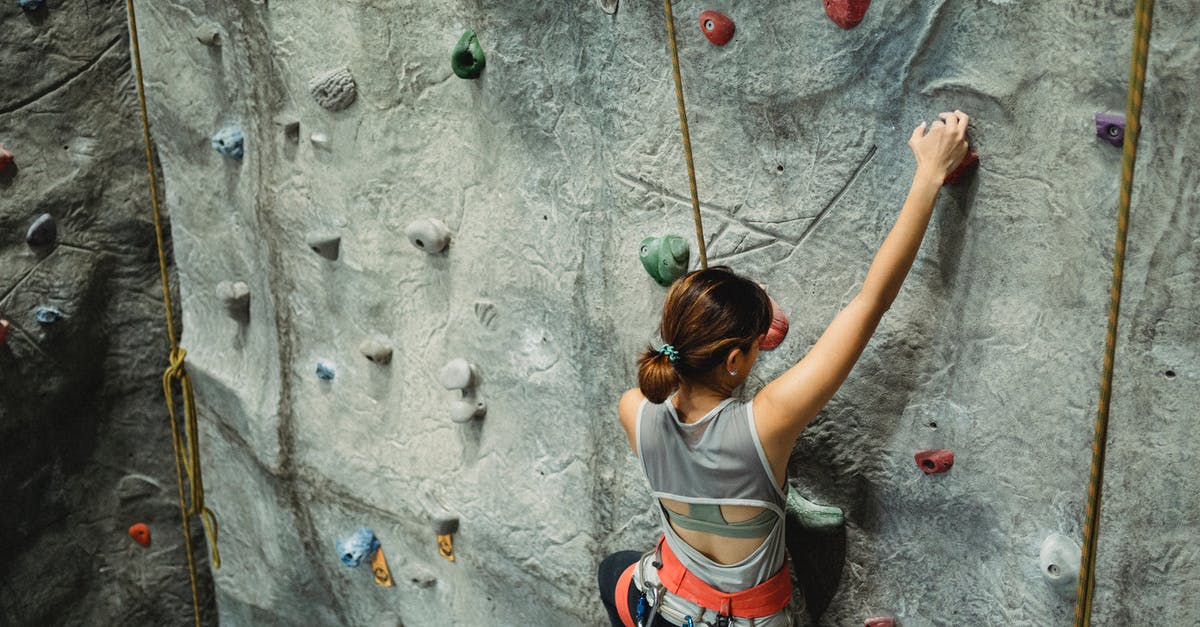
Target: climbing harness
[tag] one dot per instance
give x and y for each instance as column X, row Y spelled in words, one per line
column 1143, row 15
column 187, row 445
column 687, row 138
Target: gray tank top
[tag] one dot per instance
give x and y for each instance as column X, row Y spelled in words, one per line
column 717, row 460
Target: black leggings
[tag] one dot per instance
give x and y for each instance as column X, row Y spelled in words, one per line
column 606, row 577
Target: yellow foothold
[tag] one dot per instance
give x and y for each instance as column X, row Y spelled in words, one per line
column 444, row 527
column 379, row 566
column 446, row 546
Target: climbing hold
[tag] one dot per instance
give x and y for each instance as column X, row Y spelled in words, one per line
column 326, row 245
column 5, row 325
column 811, row 516
column 320, row 140
column 665, row 258
column 357, row 547
column 428, row 234
column 140, row 533
column 228, row 141
column 324, row 371
column 934, row 461
column 47, row 315
column 377, row 349
column 379, row 568
column 716, row 26
column 1059, row 561
column 846, row 13
column 608, row 6
column 1111, row 128
column 290, row 124
column 335, row 90
column 445, row 526
column 236, row 298
column 467, row 60
column 880, row 621
column 32, row 5
column 420, row 576
column 42, row 232
column 6, row 158
column 778, row 330
column 208, row 34
column 967, row 163
column 460, row 374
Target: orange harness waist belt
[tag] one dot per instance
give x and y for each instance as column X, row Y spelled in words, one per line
column 760, row 601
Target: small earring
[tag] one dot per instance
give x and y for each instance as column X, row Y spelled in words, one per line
column 733, row 373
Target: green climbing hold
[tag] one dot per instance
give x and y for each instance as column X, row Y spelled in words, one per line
column 467, row 60
column 811, row 516
column 665, row 258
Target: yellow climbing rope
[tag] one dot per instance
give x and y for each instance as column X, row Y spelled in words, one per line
column 186, row 446
column 687, row 138
column 1143, row 14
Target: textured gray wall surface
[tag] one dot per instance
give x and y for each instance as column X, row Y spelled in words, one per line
column 85, row 447
column 551, row 168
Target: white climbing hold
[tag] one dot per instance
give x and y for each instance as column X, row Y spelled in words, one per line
column 428, row 234
column 208, row 34
column 377, row 349
column 608, row 6
column 458, row 374
column 320, row 140
column 1059, row 561
column 236, row 298
column 334, row 90
column 290, row 124
column 327, row 245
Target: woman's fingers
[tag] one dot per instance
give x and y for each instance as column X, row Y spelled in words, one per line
column 916, row 134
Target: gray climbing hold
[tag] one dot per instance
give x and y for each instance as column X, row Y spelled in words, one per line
column 608, row 6
column 1059, row 561
column 320, row 140
column 48, row 315
column 811, row 516
column 207, row 34
column 236, row 298
column 428, row 234
column 377, row 349
column 334, row 90
column 290, row 124
column 32, row 5
column 420, row 577
column 326, row 245
column 229, row 142
column 42, row 232
column 324, row 371
column 460, row 374
column 357, row 547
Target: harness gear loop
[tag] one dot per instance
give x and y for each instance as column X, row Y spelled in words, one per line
column 186, row 450
column 1142, row 21
column 687, row 138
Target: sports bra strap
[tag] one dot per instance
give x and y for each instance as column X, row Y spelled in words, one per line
column 708, row 519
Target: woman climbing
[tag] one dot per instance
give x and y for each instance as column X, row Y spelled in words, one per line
column 717, row 466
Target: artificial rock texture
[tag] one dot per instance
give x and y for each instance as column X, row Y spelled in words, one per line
column 85, row 447
column 551, row 168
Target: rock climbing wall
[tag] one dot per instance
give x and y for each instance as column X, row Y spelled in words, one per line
column 318, row 332
column 85, row 447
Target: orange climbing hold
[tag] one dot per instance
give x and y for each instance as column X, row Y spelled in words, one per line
column 6, row 158
column 967, row 163
column 880, row 621
column 4, row 325
column 717, row 27
column 140, row 534
column 778, row 330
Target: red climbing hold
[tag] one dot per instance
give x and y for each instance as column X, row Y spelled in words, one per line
column 846, row 13
column 880, row 621
column 6, row 158
column 717, row 27
column 967, row 163
column 4, row 324
column 935, row 461
column 778, row 330
column 140, row 534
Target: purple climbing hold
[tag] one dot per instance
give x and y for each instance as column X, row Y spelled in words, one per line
column 359, row 546
column 324, row 371
column 42, row 232
column 229, row 142
column 1111, row 128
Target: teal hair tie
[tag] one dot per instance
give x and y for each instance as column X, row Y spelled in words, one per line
column 670, row 352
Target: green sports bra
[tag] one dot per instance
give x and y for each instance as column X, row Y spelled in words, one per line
column 708, row 518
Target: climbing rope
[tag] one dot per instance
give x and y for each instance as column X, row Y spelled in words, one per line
column 687, row 138
column 186, row 446
column 1133, row 113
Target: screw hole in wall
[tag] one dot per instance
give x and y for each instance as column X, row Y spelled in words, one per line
column 1170, row 374
column 929, row 464
column 779, row 168
column 932, row 425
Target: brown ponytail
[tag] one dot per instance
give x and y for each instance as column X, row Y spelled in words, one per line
column 707, row 313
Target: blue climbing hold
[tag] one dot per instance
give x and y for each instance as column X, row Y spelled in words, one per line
column 354, row 549
column 324, row 371
column 48, row 315
column 32, row 5
column 228, row 141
